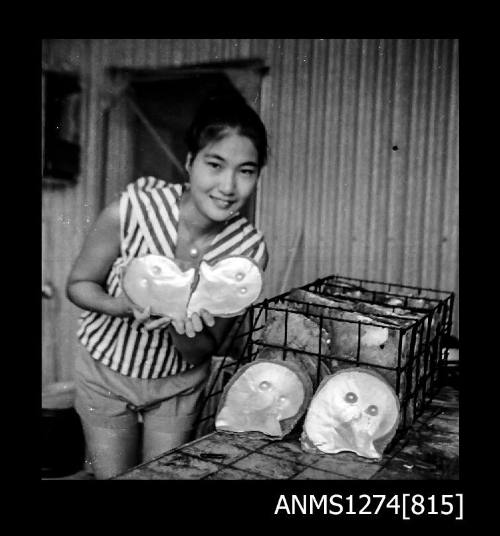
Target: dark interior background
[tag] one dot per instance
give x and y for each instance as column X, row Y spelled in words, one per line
column 169, row 106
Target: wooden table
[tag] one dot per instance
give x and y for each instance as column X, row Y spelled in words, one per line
column 428, row 451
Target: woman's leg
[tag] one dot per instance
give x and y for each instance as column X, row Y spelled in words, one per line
column 171, row 423
column 111, row 428
column 111, row 450
column 157, row 442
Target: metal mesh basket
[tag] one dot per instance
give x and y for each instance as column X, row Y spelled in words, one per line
column 411, row 324
column 438, row 304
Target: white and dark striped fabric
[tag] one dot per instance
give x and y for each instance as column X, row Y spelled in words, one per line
column 149, row 216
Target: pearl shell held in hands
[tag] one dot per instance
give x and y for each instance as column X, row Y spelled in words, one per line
column 227, row 288
column 157, row 281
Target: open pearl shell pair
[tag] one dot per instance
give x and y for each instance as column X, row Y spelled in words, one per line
column 225, row 288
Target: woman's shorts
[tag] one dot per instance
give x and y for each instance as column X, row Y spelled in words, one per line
column 108, row 399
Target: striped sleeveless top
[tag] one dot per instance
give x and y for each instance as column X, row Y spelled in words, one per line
column 149, row 216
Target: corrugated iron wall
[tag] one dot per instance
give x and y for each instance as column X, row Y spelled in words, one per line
column 363, row 174
column 67, row 212
column 365, row 142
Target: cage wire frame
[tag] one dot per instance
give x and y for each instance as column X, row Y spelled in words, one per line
column 422, row 357
column 438, row 303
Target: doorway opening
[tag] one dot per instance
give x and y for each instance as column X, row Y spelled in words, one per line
column 147, row 124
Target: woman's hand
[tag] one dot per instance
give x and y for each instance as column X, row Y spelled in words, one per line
column 191, row 326
column 144, row 317
column 162, row 322
column 199, row 337
column 120, row 306
column 183, row 326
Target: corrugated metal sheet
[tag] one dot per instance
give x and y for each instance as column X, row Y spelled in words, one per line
column 67, row 212
column 364, row 160
column 365, row 138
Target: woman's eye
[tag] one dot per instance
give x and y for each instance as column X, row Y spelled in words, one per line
column 248, row 172
column 214, row 165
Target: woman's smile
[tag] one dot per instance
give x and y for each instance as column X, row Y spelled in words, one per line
column 223, row 204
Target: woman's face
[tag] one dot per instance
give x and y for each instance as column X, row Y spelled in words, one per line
column 223, row 175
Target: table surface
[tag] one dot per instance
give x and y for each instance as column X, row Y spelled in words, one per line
column 428, row 451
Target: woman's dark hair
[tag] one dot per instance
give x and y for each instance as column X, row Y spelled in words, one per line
column 216, row 115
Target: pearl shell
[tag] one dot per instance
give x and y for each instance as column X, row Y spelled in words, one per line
column 351, row 398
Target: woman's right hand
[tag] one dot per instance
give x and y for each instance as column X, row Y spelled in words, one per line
column 123, row 307
column 126, row 308
column 141, row 316
column 144, row 317
column 157, row 323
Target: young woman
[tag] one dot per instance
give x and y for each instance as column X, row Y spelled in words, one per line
column 154, row 370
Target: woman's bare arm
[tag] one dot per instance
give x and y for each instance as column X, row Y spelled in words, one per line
column 86, row 282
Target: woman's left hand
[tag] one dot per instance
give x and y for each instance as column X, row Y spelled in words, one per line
column 191, row 326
